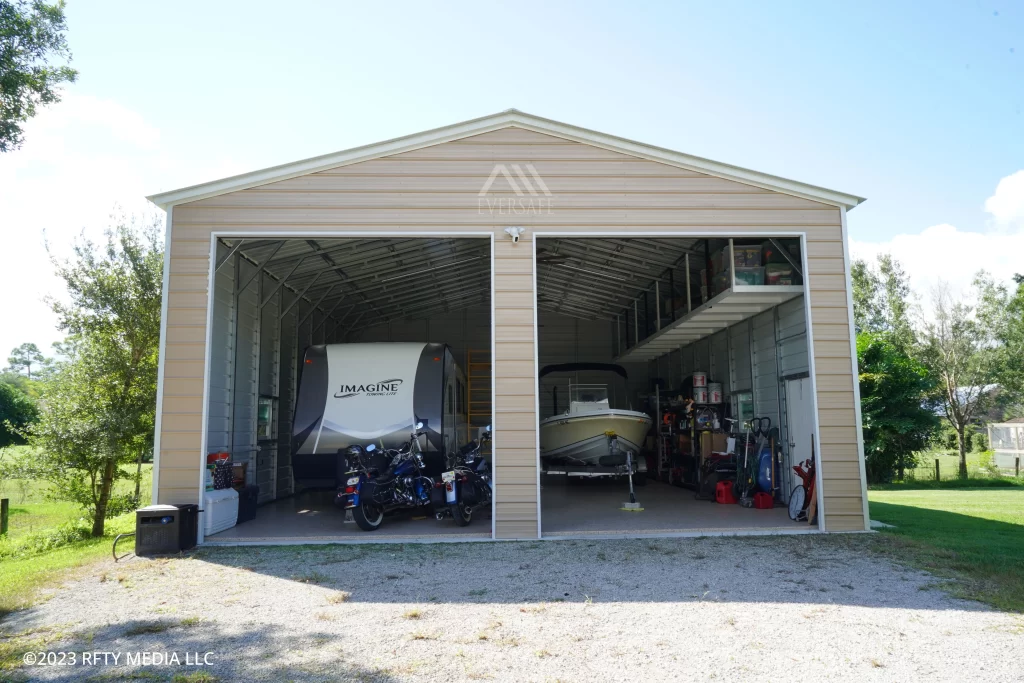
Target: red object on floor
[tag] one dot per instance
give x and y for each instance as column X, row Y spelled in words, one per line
column 724, row 494
column 763, row 501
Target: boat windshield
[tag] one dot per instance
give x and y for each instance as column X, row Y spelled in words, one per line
column 588, row 397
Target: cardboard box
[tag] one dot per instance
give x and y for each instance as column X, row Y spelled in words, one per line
column 712, row 442
column 238, row 474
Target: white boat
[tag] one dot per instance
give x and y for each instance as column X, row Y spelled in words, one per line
column 590, row 431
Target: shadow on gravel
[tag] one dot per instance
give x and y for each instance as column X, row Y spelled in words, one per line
column 190, row 651
column 841, row 570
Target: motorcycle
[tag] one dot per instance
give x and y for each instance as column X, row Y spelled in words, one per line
column 466, row 486
column 373, row 489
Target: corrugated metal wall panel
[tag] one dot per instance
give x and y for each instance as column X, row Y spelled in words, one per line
column 792, row 338
column 289, row 364
column 268, row 379
column 766, row 375
column 243, row 426
column 675, row 369
column 222, row 350
column 701, row 356
column 719, row 343
column 739, row 358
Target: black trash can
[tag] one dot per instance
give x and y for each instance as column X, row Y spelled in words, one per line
column 188, row 525
column 247, row 498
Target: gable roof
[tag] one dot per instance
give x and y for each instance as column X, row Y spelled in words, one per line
column 486, row 124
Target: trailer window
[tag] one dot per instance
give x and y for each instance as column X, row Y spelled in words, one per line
column 451, row 401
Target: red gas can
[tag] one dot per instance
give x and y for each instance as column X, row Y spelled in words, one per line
column 724, row 494
column 763, row 501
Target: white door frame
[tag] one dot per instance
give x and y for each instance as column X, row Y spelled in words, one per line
column 802, row 235
column 297, row 234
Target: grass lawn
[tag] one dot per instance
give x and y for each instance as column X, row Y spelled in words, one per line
column 972, row 536
column 23, row 573
column 22, row 577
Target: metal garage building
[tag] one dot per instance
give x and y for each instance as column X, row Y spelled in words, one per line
column 411, row 240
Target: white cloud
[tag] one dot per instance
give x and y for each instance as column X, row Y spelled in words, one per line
column 945, row 252
column 83, row 159
column 1007, row 204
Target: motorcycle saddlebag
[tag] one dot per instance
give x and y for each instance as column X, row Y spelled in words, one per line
column 437, row 498
column 367, row 491
column 470, row 496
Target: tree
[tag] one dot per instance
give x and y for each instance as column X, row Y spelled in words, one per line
column 882, row 300
column 867, row 312
column 1002, row 311
column 31, row 35
column 897, row 296
column 85, row 434
column 24, row 357
column 17, row 412
column 961, row 353
column 897, row 418
column 99, row 403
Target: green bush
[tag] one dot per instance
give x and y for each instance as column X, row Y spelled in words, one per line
column 58, row 537
column 980, row 442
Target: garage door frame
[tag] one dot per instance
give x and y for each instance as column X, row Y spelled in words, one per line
column 302, row 234
column 801, row 235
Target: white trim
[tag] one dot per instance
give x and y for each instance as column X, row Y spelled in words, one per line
column 802, row 235
column 856, row 374
column 161, row 358
column 494, row 449
column 818, row 481
column 506, row 119
column 299, row 234
column 536, row 379
column 211, row 286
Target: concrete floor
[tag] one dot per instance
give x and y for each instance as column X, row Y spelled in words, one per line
column 311, row 517
column 568, row 509
column 593, row 507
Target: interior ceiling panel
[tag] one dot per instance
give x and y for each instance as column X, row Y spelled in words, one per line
column 595, row 278
column 372, row 280
column 368, row 281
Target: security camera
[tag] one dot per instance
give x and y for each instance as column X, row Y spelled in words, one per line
column 514, row 233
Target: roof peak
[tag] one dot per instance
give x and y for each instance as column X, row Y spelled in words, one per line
column 485, row 124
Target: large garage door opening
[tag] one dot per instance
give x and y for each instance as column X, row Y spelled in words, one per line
column 368, row 338
column 679, row 363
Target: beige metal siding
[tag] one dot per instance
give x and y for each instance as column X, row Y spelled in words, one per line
column 435, row 189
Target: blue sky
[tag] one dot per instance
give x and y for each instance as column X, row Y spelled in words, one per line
column 921, row 110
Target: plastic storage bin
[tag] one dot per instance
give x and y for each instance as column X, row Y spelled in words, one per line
column 221, row 510
column 750, row 276
column 747, row 256
column 780, row 274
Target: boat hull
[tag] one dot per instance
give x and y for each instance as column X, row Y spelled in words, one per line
column 581, row 438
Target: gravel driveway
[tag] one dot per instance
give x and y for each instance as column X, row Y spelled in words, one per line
column 731, row 609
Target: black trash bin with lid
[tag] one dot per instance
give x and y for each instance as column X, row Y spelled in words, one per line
column 248, row 496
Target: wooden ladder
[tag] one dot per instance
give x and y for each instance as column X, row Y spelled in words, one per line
column 479, row 375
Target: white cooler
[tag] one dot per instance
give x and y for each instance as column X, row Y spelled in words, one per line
column 220, row 510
